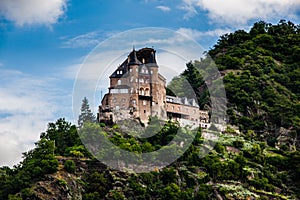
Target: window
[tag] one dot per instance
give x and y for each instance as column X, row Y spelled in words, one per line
column 142, row 91
column 134, row 102
column 119, row 82
column 144, row 102
column 116, row 91
column 147, row 92
column 144, row 111
column 144, row 70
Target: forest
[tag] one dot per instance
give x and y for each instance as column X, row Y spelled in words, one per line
column 260, row 69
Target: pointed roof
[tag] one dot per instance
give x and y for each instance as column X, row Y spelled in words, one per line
column 133, row 60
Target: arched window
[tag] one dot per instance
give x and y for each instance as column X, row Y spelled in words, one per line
column 119, row 82
column 147, row 92
column 142, row 91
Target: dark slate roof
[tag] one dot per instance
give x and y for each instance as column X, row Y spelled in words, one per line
column 133, row 60
column 136, row 58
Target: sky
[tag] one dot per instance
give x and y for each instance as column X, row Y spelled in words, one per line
column 45, row 45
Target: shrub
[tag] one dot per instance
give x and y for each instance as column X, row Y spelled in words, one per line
column 102, row 124
column 238, row 144
column 70, row 166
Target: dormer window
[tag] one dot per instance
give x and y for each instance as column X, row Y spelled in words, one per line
column 144, row 70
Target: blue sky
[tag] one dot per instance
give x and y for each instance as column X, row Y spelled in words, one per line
column 43, row 44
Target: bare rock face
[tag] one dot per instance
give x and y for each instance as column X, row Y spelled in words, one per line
column 59, row 186
column 287, row 137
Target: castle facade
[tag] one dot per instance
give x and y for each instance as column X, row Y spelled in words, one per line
column 137, row 91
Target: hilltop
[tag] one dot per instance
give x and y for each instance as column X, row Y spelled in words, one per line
column 261, row 73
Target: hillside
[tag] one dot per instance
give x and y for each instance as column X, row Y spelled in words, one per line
column 261, row 72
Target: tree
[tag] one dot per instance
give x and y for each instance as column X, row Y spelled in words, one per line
column 86, row 114
column 64, row 134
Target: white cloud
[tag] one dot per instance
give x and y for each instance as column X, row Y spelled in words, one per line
column 87, row 40
column 204, row 38
column 90, row 39
column 198, row 35
column 27, row 104
column 164, row 8
column 239, row 12
column 30, row 12
column 190, row 8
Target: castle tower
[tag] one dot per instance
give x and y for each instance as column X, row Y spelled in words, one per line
column 133, row 67
column 136, row 89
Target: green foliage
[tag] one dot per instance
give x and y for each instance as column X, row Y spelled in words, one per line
column 172, row 192
column 86, row 114
column 219, row 148
column 70, row 166
column 62, row 182
column 97, row 185
column 238, row 144
column 115, row 195
column 63, row 134
column 264, row 95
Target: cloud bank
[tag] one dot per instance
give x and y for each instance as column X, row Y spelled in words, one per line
column 29, row 12
column 198, row 35
column 239, row 12
column 27, row 105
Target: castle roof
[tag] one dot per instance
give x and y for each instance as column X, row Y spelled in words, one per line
column 132, row 58
column 182, row 100
column 144, row 56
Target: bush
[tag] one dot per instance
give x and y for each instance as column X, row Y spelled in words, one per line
column 102, row 124
column 219, row 148
column 70, row 166
column 238, row 144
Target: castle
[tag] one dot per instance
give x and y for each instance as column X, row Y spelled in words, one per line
column 137, row 91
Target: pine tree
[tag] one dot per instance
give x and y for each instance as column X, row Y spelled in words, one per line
column 86, row 114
